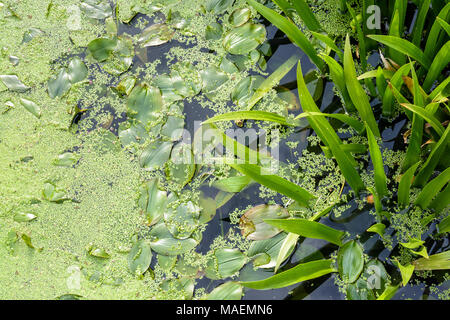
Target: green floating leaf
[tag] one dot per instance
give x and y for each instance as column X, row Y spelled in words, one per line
column 309, row 229
column 140, row 257
column 253, row 115
column 155, row 35
column 226, row 291
column 52, row 194
column 299, row 273
column 377, row 228
column 30, row 34
column 98, row 252
column 153, row 201
column 162, row 242
column 350, row 261
column 31, row 106
column 144, row 104
column 181, row 167
column 213, row 31
column 218, row 6
column 126, row 85
column 440, row 261
column 212, row 79
column 413, row 243
column 13, row 83
column 67, row 159
column 155, row 155
column 183, row 220
column 229, row 261
column 96, row 9
column 59, row 85
column 239, row 16
column 275, row 183
column 253, row 225
column 232, row 184
column 24, row 217
column 77, row 70
column 102, row 48
column 243, row 39
column 265, row 252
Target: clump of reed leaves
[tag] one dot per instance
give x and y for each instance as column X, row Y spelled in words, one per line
column 413, row 78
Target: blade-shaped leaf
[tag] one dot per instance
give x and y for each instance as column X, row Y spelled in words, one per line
column 432, row 189
column 377, row 161
column 405, row 185
column 252, row 115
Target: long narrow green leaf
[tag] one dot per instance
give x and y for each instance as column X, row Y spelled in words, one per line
column 291, row 30
column 440, row 62
column 441, row 201
column 327, row 134
column 395, row 31
column 403, row 46
column 330, row 43
column 433, row 159
column 444, row 225
column 272, row 81
column 308, row 229
column 428, row 116
column 299, row 273
column 420, row 22
column 252, row 115
column 389, row 292
column 349, row 147
column 396, row 82
column 439, row 90
column 308, row 17
column 440, row 261
column 377, row 161
column 356, row 92
column 337, row 75
column 405, row 186
column 432, row 189
column 444, row 25
column 433, row 35
column 275, row 183
column 352, row 122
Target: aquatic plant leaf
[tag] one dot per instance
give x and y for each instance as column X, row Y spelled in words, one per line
column 441, row 60
column 352, row 122
column 432, row 188
column 59, row 85
column 434, row 33
column 66, row 159
column 389, row 292
column 155, row 155
column 264, row 253
column 153, row 201
column 417, row 32
column 377, row 228
column 377, row 161
column 272, row 81
column 13, row 83
column 144, row 103
column 394, row 85
column 330, row 43
column 226, row 291
column 212, row 79
column 305, row 13
column 356, row 92
column 162, row 241
column 253, row 115
column 243, row 39
column 181, row 167
column 444, row 225
column 299, row 273
column 213, row 31
column 286, row 249
column 102, row 48
column 140, row 257
column 413, row 243
column 328, row 136
column 69, row 296
column 426, row 115
column 183, row 220
column 359, row 291
column 440, row 261
column 155, row 35
column 403, row 46
column 275, row 183
column 404, row 186
column 308, row 229
column 30, row 34
column 31, row 106
column 245, row 89
column 350, row 261
column 232, row 184
column 291, row 30
column 253, row 225
column 405, row 271
column 126, row 85
column 77, row 70
column 96, row 9
column 218, row 6
column 348, row 147
column 239, row 16
column 51, row 193
column 98, row 252
column 24, row 216
column 229, row 261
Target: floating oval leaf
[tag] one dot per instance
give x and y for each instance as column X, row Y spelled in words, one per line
column 66, row 159
column 77, row 70
column 96, row 9
column 153, row 200
column 239, row 16
column 350, row 261
column 59, row 85
column 31, row 106
column 162, row 242
column 155, row 35
column 13, row 83
column 155, row 155
column 229, row 261
column 226, row 291
column 244, row 39
column 98, row 252
column 183, row 220
column 51, row 193
column 252, row 222
column 140, row 257
column 181, row 166
column 144, row 103
column 24, row 217
column 102, row 48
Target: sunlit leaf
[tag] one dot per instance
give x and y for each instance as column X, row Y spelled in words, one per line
column 139, row 257
column 243, row 39
column 350, row 261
